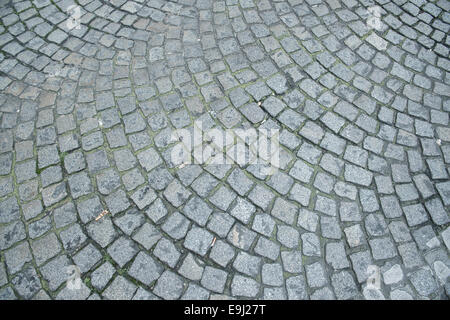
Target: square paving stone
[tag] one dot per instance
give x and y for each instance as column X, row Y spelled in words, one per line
column 335, row 255
column 9, row 210
column 54, row 193
column 222, row 253
column 176, row 193
column 326, row 205
column 169, row 286
column 6, row 186
column 51, row 175
column 425, row 238
column 140, row 141
column 8, row 294
column 97, row 160
column 89, row 209
column 393, row 274
column 375, row 225
column 357, row 175
column 247, row 264
column 64, row 215
column 47, row 156
column 399, row 231
column 102, row 232
column 32, row 209
column 92, row 141
column 159, row 178
column 81, row 294
column 56, row 271
column 197, row 210
column 11, row 233
column 130, row 221
column 147, row 236
column 101, row 276
column 222, row 198
column 241, row 237
column 301, row 171
column 284, row 210
column 330, row 228
column 87, row 257
column 382, row 248
column 149, row 159
column 117, row 202
column 239, row 182
column 300, row 194
column 133, row 123
column 108, row 181
column 361, row 262
column 72, row 238
column 281, row 182
column 288, row 236
column 214, row 279
column 142, row 294
column 344, row 285
column 261, row 196
column 132, row 179
column 176, row 226
column 79, row 185
column 244, row 286
column 355, row 236
column 122, row 251
column 315, row 274
column 308, row 220
column 39, row 227
column 157, row 211
column 444, row 191
column 198, row 240
column 195, row 292
column 292, row 261
column 272, row 274
column 296, row 288
column 24, row 171
column 311, row 244
column 143, row 196
column 120, row 289
column 16, row 257
column 424, row 185
column 436, row 209
column 267, row 248
column 391, row 207
column 264, row 224
column 6, row 163
column 145, row 269
column 124, row 159
column 166, row 251
column 45, row 248
column 410, row 255
column 28, row 190
column 243, row 210
column 220, row 223
column 423, row 281
column 27, row 283
column 191, row 268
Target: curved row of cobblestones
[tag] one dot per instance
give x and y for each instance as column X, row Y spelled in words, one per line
column 88, row 106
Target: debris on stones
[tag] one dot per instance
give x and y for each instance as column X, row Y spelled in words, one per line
column 102, row 214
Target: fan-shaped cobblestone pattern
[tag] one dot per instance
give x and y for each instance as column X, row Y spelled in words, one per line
column 86, row 115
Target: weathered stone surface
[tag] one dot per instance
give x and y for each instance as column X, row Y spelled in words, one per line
column 113, row 137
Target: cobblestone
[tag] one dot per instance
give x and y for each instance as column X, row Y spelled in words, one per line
column 87, row 118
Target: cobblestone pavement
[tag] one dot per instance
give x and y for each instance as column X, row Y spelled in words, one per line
column 86, row 113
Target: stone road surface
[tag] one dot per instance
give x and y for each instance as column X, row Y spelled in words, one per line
column 86, row 114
